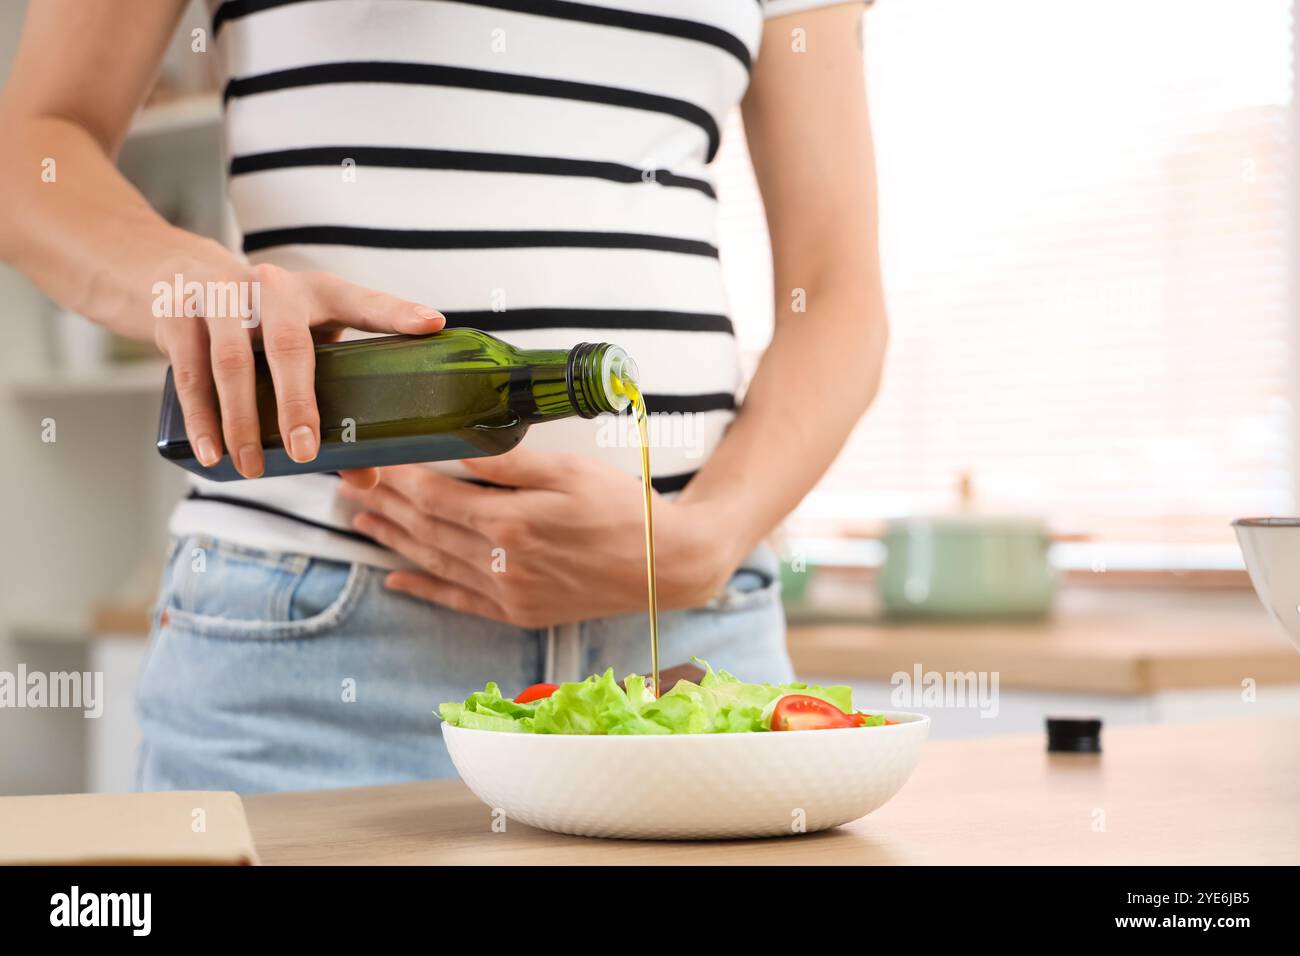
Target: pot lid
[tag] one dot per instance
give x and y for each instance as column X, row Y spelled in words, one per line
column 968, row 517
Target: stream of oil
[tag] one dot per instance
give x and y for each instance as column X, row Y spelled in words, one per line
column 633, row 392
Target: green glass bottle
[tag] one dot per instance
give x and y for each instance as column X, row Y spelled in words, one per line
column 459, row 393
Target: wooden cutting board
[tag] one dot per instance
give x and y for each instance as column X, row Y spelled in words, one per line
column 126, row 829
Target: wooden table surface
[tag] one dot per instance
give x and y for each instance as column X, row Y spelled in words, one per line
column 1209, row 793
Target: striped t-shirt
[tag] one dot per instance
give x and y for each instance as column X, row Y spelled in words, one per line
column 536, row 169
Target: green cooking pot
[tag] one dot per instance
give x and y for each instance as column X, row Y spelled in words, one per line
column 967, row 566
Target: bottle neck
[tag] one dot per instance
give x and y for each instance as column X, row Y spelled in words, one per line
column 561, row 383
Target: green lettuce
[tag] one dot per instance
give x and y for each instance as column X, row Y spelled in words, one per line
column 719, row 704
column 597, row 705
column 488, row 710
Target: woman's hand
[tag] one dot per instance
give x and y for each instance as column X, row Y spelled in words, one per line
column 90, row 240
column 564, row 542
column 212, row 359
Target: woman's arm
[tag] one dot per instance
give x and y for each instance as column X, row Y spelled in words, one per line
column 69, row 220
column 76, row 228
column 564, row 544
column 810, row 141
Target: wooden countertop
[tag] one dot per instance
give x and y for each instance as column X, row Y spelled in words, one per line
column 1205, row 793
column 1114, row 643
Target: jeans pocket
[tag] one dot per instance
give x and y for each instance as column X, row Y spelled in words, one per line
column 222, row 590
column 748, row 588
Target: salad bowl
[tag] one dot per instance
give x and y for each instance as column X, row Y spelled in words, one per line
column 689, row 786
column 1271, row 547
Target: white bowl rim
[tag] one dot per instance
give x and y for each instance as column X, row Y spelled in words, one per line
column 908, row 719
column 1276, row 522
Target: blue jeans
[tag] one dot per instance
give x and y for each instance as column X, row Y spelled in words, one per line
column 270, row 671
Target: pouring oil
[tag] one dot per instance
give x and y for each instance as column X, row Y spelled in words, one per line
column 626, row 385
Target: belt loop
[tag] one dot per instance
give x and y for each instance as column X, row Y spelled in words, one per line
column 548, row 665
column 568, row 657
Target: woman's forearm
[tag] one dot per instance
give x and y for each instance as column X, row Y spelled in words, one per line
column 81, row 232
column 817, row 377
column 809, row 138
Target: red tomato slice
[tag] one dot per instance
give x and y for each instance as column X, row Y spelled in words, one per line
column 536, row 692
column 801, row 712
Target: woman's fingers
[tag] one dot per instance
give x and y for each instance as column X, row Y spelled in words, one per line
column 436, row 591
column 434, row 558
column 448, row 498
column 339, row 301
column 291, row 305
column 232, row 369
column 526, row 468
column 291, row 355
column 471, row 548
column 362, row 479
column 214, row 369
column 185, row 342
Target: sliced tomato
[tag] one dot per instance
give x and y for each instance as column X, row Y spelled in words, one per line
column 801, row 712
column 536, row 692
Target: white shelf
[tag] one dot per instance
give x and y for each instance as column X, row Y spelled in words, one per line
column 142, row 377
column 178, row 115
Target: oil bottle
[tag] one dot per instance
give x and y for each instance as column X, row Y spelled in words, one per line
column 458, row 393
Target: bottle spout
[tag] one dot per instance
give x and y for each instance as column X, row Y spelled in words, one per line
column 601, row 378
column 618, row 372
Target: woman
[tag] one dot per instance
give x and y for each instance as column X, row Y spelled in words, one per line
column 533, row 168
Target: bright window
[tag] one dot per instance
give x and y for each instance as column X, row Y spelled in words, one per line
column 1088, row 248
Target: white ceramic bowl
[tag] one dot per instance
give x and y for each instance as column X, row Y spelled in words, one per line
column 705, row 786
column 1271, row 547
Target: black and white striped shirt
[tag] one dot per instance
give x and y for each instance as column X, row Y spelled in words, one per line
column 536, row 169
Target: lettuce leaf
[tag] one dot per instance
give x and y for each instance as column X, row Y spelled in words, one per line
column 720, row 703
column 488, row 710
column 597, row 705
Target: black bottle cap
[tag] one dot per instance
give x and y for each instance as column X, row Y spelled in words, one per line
column 1079, row 735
